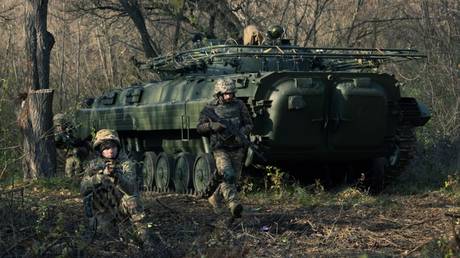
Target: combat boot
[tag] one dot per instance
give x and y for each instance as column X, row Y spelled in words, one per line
column 216, row 203
column 235, row 209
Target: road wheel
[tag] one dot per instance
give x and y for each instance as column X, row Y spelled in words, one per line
column 148, row 169
column 164, row 167
column 183, row 172
column 204, row 174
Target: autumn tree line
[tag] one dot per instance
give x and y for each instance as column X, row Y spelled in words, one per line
column 97, row 42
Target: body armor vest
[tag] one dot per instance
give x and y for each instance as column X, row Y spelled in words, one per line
column 231, row 112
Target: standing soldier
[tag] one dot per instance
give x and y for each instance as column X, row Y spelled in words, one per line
column 228, row 149
column 71, row 152
column 110, row 191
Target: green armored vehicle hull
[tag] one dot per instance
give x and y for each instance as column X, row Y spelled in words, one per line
column 308, row 105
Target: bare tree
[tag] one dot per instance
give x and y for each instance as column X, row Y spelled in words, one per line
column 108, row 9
column 36, row 109
column 132, row 8
column 95, row 58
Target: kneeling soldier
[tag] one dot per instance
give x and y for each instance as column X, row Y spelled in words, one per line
column 110, row 189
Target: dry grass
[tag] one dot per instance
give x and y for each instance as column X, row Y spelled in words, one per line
column 50, row 222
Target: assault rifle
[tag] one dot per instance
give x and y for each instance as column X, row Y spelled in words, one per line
column 103, row 186
column 230, row 128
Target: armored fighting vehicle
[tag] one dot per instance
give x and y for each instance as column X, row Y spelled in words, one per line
column 309, row 105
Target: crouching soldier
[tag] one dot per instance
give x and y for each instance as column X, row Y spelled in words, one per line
column 228, row 149
column 110, row 190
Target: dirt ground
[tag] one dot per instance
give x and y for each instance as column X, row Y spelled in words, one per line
column 400, row 228
column 51, row 223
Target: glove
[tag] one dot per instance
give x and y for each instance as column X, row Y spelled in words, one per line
column 216, row 126
column 96, row 180
column 101, row 180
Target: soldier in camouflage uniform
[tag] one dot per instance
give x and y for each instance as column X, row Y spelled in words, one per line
column 228, row 149
column 109, row 188
column 71, row 152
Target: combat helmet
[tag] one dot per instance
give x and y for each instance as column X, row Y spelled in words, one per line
column 224, row 86
column 105, row 135
column 275, row 32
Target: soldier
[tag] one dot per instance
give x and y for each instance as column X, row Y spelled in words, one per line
column 228, row 149
column 109, row 188
column 71, row 151
column 252, row 36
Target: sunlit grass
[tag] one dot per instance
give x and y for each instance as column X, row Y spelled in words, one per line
column 303, row 196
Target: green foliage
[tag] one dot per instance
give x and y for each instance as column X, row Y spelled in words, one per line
column 439, row 248
column 432, row 167
column 318, row 188
column 308, row 196
column 46, row 218
column 50, row 228
column 452, row 184
column 451, row 187
column 248, row 185
column 58, row 183
column 276, row 179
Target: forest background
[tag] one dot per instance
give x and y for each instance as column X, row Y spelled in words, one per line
column 96, row 45
column 97, row 41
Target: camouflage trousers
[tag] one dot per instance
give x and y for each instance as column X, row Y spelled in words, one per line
column 73, row 166
column 109, row 207
column 61, row 156
column 229, row 165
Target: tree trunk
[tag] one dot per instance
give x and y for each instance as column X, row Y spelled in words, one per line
column 111, row 56
column 222, row 13
column 179, row 18
column 103, row 57
column 35, row 119
column 227, row 18
column 45, row 42
column 39, row 149
column 62, row 92
column 31, row 49
column 134, row 12
column 77, row 86
column 211, row 26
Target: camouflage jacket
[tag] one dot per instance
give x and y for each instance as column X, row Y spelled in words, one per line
column 64, row 140
column 123, row 179
column 234, row 112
